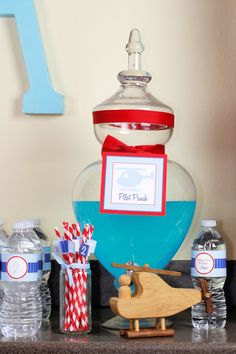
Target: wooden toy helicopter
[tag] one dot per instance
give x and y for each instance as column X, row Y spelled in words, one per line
column 152, row 298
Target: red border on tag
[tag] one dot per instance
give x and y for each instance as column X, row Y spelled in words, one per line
column 26, row 265
column 133, row 212
column 213, row 262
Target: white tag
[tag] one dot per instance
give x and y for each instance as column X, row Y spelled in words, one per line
column 133, row 184
column 77, row 243
column 56, row 246
column 92, row 245
column 71, row 247
column 17, row 267
column 208, row 263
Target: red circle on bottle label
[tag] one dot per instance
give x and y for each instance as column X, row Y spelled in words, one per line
column 16, row 267
column 204, row 263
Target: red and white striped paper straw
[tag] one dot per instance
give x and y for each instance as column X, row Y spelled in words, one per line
column 76, row 309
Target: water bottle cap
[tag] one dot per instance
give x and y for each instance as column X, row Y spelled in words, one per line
column 32, row 222
column 208, row 223
column 35, row 221
column 24, row 224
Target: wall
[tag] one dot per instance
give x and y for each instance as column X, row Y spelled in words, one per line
column 190, row 51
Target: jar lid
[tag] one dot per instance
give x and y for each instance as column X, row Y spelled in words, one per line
column 133, row 103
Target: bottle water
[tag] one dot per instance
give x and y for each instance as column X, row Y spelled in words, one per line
column 44, row 289
column 209, row 263
column 3, row 233
column 3, row 238
column 46, row 249
column 21, row 275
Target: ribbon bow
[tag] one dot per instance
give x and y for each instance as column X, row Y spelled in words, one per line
column 69, row 267
column 112, row 144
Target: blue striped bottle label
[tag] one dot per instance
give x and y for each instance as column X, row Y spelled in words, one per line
column 46, row 258
column 21, row 267
column 208, row 264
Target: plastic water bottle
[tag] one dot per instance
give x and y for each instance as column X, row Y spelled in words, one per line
column 44, row 289
column 3, row 233
column 46, row 249
column 3, row 238
column 21, row 275
column 209, row 263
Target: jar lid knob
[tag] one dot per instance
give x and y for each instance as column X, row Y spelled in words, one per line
column 134, row 73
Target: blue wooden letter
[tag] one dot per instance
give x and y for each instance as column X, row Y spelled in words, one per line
column 41, row 98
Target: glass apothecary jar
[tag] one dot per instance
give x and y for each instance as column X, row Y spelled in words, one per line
column 133, row 120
